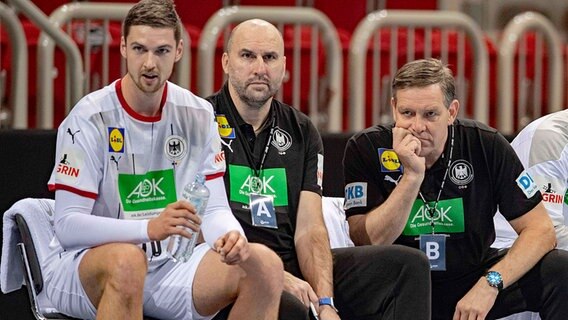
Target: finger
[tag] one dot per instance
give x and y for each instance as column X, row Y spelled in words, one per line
column 456, row 315
column 230, row 239
column 415, row 145
column 234, row 254
column 219, row 244
column 305, row 298
column 181, row 204
column 398, row 134
column 184, row 224
column 312, row 295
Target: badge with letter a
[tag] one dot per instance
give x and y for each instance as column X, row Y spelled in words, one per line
column 262, row 211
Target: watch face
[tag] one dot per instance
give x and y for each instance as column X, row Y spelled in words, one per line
column 494, row 279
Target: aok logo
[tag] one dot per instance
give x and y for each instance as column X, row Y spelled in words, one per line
column 269, row 182
column 265, row 187
column 147, row 188
column 440, row 215
column 447, row 218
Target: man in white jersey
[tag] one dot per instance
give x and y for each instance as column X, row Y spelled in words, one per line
column 124, row 154
column 542, row 147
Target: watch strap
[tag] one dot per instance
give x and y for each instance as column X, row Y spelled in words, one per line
column 327, row 301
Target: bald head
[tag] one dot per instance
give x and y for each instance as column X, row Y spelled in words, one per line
column 256, row 29
column 254, row 63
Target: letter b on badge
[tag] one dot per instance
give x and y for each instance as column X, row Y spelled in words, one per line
column 432, row 250
column 434, row 246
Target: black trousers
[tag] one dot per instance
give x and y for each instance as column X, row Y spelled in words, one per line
column 381, row 282
column 543, row 289
column 372, row 282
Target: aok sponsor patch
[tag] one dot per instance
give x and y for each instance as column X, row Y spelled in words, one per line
column 389, row 160
column 527, row 184
column 355, row 195
column 70, row 165
column 144, row 195
column 271, row 182
column 448, row 218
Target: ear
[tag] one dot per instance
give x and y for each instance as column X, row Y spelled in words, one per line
column 453, row 110
column 283, row 67
column 123, row 47
column 179, row 50
column 225, row 62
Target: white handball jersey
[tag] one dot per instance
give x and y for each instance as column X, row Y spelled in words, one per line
column 132, row 166
column 542, row 147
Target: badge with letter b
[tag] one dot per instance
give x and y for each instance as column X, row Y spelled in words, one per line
column 434, row 246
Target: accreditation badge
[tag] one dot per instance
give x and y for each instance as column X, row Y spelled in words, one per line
column 434, row 246
column 262, row 211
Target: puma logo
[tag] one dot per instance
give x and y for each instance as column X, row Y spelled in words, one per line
column 115, row 160
column 72, row 134
column 390, row 179
column 227, row 144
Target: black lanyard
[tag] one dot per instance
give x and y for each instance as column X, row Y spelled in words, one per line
column 432, row 211
column 255, row 182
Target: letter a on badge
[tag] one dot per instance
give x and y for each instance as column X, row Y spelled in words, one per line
column 263, row 210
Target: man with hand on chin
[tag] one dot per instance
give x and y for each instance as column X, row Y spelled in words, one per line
column 273, row 181
column 434, row 182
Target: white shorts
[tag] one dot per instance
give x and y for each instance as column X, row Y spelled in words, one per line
column 167, row 290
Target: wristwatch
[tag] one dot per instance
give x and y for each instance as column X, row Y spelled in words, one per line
column 494, row 279
column 328, row 301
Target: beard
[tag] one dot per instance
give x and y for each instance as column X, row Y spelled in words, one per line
column 139, row 80
column 251, row 97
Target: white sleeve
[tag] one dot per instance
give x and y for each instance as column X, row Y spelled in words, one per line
column 76, row 227
column 218, row 218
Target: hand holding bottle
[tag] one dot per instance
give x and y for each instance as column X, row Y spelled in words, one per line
column 179, row 213
column 180, row 247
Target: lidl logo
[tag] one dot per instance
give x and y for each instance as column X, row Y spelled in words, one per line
column 116, row 140
column 389, row 160
column 225, row 130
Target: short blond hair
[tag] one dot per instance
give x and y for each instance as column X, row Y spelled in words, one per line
column 425, row 72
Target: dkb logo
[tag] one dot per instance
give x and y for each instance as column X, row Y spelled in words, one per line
column 356, row 195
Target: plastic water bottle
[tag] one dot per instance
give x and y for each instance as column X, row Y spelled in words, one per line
column 180, row 248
